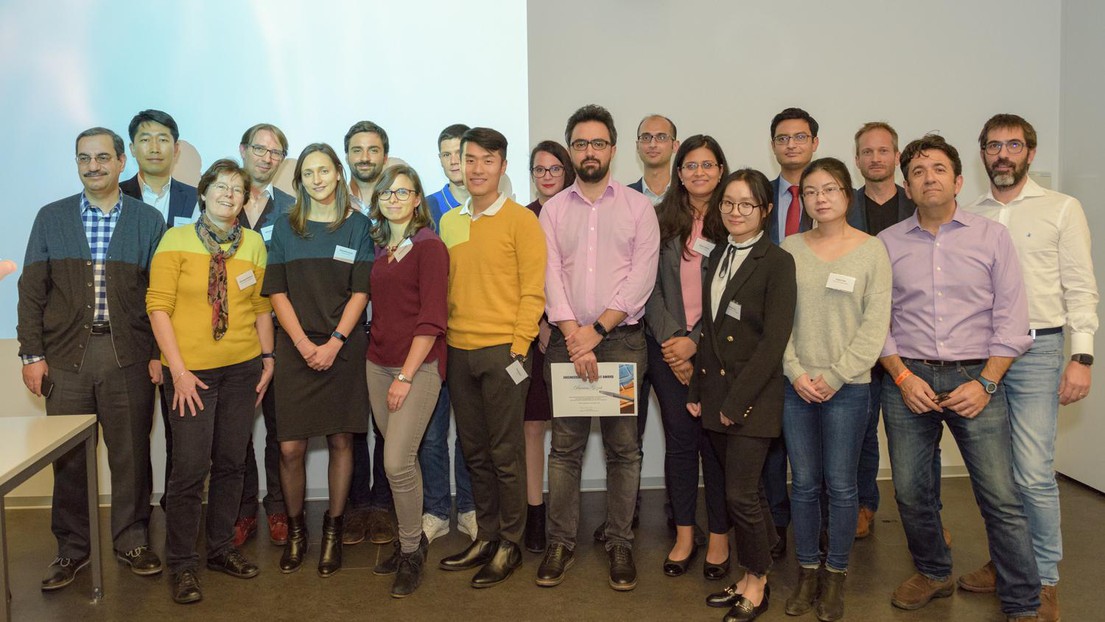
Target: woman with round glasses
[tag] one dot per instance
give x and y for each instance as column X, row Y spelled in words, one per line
column 841, row 321
column 551, row 169
column 673, row 328
column 216, row 337
column 320, row 262
column 747, row 310
column 406, row 352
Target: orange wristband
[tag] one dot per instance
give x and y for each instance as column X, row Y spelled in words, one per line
column 901, row 377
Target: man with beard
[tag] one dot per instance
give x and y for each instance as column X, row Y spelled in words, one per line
column 603, row 243
column 453, row 193
column 366, row 153
column 263, row 148
column 656, row 143
column 1053, row 243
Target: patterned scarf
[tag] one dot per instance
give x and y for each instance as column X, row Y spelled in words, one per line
column 212, row 236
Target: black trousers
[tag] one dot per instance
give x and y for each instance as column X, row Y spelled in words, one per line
column 754, row 530
column 274, row 495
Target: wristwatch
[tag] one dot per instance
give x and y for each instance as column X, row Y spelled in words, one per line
column 340, row 337
column 990, row 386
column 403, row 379
column 1085, row 359
column 600, row 329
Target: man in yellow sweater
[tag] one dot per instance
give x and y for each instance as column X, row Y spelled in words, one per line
column 496, row 297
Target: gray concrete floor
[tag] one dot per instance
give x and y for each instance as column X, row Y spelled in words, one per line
column 879, row 563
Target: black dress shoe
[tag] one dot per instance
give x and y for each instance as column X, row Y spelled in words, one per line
column 142, row 561
column 61, row 572
column 186, row 587
column 558, row 559
column 477, row 554
column 725, row 598
column 716, row 572
column 233, row 563
column 780, row 548
column 507, row 558
column 623, row 572
column 296, row 546
column 600, row 532
column 330, row 549
column 677, row 568
column 745, row 611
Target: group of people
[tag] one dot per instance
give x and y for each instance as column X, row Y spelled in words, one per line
column 774, row 319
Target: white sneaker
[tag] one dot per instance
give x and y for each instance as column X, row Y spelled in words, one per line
column 434, row 527
column 466, row 523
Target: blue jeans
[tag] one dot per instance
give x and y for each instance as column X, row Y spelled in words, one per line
column 1031, row 388
column 823, row 441
column 984, row 442
column 433, row 458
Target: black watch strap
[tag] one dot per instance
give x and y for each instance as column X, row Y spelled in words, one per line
column 1085, row 359
column 601, row 330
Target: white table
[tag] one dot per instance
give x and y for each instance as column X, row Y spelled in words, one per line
column 27, row 445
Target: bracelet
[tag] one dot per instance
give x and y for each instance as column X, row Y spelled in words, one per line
column 296, row 344
column 268, row 355
column 901, row 377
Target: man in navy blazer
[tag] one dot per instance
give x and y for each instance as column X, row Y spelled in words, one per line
column 794, row 141
column 153, row 143
column 656, row 143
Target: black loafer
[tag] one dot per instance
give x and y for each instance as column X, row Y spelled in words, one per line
column 61, row 572
column 677, row 568
column 233, row 563
column 142, row 561
column 506, row 560
column 623, row 572
column 477, row 554
column 725, row 598
column 745, row 611
column 186, row 587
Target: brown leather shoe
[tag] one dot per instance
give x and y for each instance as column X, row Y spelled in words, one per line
column 982, row 581
column 863, row 522
column 380, row 528
column 244, row 528
column 916, row 591
column 1049, row 603
column 355, row 529
column 947, row 537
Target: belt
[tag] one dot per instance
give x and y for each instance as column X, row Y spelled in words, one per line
column 965, row 363
column 1040, row 332
column 101, row 328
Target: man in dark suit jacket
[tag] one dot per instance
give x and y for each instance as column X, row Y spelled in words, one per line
column 153, row 143
column 794, row 141
column 656, row 143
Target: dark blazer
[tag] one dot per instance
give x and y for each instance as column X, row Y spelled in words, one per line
column 740, row 362
column 638, row 185
column 281, row 203
column 805, row 223
column 182, row 199
column 857, row 212
column 665, row 316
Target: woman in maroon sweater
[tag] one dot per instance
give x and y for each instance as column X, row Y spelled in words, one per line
column 406, row 352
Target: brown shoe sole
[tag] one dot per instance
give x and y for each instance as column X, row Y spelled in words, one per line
column 943, row 592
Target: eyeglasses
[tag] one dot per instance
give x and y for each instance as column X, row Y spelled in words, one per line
column 660, row 139
column 798, row 139
column 743, row 208
column 830, row 192
column 261, row 150
column 103, row 158
column 1012, row 146
column 555, row 170
column 401, row 193
column 221, row 187
column 598, row 144
column 707, row 166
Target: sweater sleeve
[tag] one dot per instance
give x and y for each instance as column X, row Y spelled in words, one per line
column 433, row 288
column 34, row 287
column 164, row 278
column 862, row 352
column 529, row 243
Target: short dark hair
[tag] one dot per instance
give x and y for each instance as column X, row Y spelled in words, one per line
column 836, row 169
column 931, row 142
column 1008, row 121
column 116, row 140
column 657, row 116
column 876, row 125
column 247, row 138
column 794, row 113
column 492, row 140
column 155, row 116
column 371, row 128
column 557, row 151
column 381, row 227
column 220, row 167
column 455, row 130
column 761, row 192
column 591, row 112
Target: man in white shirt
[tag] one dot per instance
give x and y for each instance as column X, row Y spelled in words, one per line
column 1052, row 240
column 656, row 143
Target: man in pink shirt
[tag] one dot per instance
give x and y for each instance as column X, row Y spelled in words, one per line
column 603, row 247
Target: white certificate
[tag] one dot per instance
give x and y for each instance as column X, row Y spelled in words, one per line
column 614, row 394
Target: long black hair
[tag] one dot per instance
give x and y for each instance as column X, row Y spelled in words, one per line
column 674, row 211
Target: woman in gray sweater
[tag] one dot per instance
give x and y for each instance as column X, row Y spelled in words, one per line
column 840, row 324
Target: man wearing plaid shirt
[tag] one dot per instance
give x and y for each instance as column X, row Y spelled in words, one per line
column 87, row 347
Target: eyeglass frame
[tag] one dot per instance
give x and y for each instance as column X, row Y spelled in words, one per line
column 737, row 207
column 811, row 194
column 660, row 138
column 801, row 138
column 989, row 147
column 261, row 151
column 598, row 144
column 385, row 195
column 83, row 159
column 539, row 171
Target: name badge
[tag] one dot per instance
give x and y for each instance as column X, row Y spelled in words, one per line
column 733, row 311
column 703, row 247
column 246, row 279
column 401, row 251
column 516, row 372
column 841, row 282
column 266, row 233
column 343, row 254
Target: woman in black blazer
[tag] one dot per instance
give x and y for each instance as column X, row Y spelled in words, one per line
column 748, row 311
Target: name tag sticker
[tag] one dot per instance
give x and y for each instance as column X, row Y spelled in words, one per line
column 246, row 279
column 841, row 282
column 401, row 251
column 344, row 254
column 733, row 311
column 703, row 247
column 266, row 233
column 184, row 220
column 516, row 372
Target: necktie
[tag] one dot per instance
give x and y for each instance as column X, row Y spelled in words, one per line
column 727, row 261
column 794, row 212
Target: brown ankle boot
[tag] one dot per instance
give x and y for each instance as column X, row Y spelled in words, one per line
column 1049, row 603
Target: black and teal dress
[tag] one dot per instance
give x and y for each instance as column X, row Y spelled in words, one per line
column 319, row 274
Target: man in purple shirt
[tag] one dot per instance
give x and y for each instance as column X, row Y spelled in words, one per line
column 603, row 249
column 959, row 318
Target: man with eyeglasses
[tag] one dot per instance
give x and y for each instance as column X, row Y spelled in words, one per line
column 604, row 243
column 263, row 148
column 959, row 318
column 1052, row 239
column 87, row 347
column 656, row 143
column 448, row 154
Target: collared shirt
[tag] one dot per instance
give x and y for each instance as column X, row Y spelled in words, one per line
column 492, row 209
column 1052, row 238
column 957, row 295
column 151, row 197
column 731, row 261
column 601, row 255
column 652, row 196
column 441, row 202
column 782, row 206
